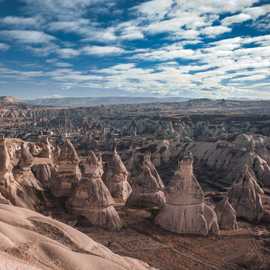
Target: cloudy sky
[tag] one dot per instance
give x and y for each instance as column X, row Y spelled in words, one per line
column 189, row 48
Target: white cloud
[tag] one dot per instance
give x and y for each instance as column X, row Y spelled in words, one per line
column 102, row 50
column 256, row 12
column 68, row 52
column 179, row 16
column 27, row 36
column 166, row 53
column 215, row 30
column 79, row 26
column 59, row 8
column 20, row 21
column 239, row 18
column 129, row 31
column 155, row 9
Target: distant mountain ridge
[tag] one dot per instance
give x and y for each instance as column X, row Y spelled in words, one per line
column 94, row 101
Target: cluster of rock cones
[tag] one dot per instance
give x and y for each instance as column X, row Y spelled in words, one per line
column 86, row 191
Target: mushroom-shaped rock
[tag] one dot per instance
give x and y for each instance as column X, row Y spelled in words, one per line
column 117, row 179
column 92, row 199
column 67, row 173
column 226, row 215
column 147, row 190
column 245, row 197
column 185, row 211
column 26, row 160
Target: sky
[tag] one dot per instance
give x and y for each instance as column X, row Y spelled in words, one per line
column 185, row 48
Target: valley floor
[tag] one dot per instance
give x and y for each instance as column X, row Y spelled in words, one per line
column 247, row 248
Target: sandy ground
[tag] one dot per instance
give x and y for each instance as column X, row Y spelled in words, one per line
column 247, row 248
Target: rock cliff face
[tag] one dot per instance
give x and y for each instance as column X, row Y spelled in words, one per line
column 147, row 190
column 91, row 197
column 185, row 210
column 245, row 197
column 67, row 171
column 17, row 182
column 227, row 159
column 117, row 179
column 29, row 240
column 44, row 173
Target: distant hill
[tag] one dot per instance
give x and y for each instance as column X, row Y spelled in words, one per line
column 92, row 101
column 8, row 99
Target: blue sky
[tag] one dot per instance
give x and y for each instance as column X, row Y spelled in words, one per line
column 189, row 48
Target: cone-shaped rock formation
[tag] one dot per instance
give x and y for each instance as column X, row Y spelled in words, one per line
column 185, row 210
column 117, row 179
column 92, row 198
column 67, row 171
column 147, row 190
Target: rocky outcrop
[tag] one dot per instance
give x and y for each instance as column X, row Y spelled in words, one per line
column 17, row 182
column 227, row 159
column 226, row 215
column 3, row 200
column 44, row 173
column 92, row 199
column 67, row 173
column 26, row 159
column 47, row 148
column 185, row 211
column 147, row 190
column 245, row 197
column 117, row 179
column 31, row 241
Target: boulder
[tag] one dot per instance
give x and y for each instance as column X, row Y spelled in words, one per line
column 245, row 197
column 185, row 211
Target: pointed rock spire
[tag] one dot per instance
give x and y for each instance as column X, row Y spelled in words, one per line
column 185, row 210
column 147, row 189
column 92, row 199
column 117, row 179
column 92, row 166
column 68, row 153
